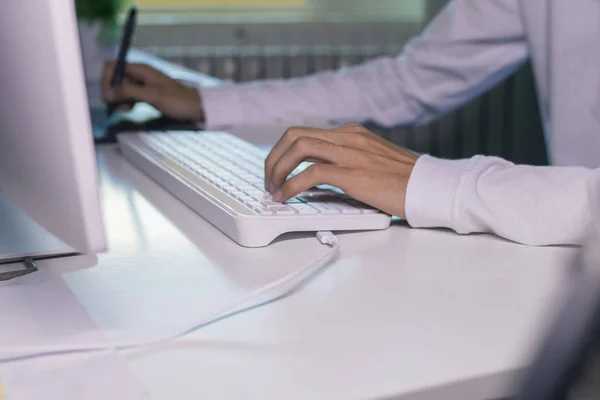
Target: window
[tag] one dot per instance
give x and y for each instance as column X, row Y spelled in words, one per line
column 188, row 4
column 170, row 6
column 189, row 23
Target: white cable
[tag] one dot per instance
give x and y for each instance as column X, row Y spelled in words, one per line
column 327, row 238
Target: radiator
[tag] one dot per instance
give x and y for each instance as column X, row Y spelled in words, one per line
column 503, row 122
column 246, row 63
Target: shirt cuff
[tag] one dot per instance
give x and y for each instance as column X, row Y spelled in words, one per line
column 431, row 191
column 222, row 107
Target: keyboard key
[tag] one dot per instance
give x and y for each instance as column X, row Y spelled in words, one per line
column 218, row 182
column 304, row 209
column 273, row 204
column 325, row 208
column 228, row 176
column 245, row 187
column 260, row 209
column 238, row 195
column 285, row 212
column 247, row 176
column 265, row 212
column 369, row 211
column 258, row 172
column 365, row 208
column 249, row 201
column 228, row 188
column 278, row 208
column 256, row 193
column 344, row 207
column 210, row 177
column 238, row 183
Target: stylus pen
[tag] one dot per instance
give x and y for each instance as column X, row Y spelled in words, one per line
column 119, row 74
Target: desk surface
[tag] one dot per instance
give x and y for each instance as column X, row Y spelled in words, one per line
column 410, row 314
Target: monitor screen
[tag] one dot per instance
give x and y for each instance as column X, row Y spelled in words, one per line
column 47, row 158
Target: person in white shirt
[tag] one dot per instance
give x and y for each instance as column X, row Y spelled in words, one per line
column 470, row 46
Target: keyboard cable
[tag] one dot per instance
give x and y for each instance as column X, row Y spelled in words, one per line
column 280, row 288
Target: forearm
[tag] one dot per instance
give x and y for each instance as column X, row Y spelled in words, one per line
column 468, row 48
column 358, row 94
column 526, row 204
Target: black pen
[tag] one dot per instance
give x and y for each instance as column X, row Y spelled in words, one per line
column 119, row 74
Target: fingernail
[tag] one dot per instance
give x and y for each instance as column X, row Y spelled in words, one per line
column 270, row 187
column 278, row 196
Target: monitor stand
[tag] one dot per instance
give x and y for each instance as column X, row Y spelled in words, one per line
column 22, row 240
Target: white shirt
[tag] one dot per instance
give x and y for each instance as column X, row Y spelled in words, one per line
column 468, row 48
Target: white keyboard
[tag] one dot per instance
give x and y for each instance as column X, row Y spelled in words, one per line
column 221, row 177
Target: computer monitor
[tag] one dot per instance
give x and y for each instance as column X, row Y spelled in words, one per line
column 49, row 200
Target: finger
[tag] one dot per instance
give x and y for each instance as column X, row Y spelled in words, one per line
column 316, row 174
column 353, row 136
column 138, row 73
column 116, row 98
column 132, row 92
column 281, row 146
column 130, row 79
column 143, row 73
column 386, row 192
column 310, row 148
column 306, row 148
column 294, row 133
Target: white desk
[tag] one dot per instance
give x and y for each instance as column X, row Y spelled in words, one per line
column 407, row 314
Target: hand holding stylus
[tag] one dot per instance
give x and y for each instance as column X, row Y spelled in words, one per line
column 145, row 84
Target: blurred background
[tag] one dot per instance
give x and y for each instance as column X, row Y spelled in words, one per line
column 244, row 40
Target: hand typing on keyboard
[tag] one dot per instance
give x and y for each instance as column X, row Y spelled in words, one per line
column 222, row 178
column 365, row 166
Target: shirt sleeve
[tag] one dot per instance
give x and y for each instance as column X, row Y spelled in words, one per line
column 469, row 47
column 526, row 204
